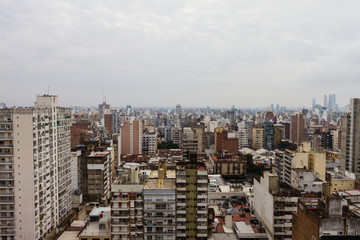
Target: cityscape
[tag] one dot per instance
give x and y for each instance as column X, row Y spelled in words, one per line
column 179, row 120
column 178, row 173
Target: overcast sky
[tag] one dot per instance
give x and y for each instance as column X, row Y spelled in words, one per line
column 196, row 53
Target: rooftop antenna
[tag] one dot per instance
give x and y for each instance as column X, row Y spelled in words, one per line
column 48, row 89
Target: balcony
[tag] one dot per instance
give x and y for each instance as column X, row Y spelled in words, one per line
column 181, row 204
column 201, row 234
column 202, row 181
column 4, row 193
column 3, row 137
column 6, row 145
column 6, row 153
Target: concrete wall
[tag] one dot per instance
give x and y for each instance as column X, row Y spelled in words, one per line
column 24, row 176
column 264, row 207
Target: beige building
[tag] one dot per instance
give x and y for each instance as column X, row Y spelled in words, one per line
column 303, row 157
column 35, row 184
column 337, row 182
column 258, row 137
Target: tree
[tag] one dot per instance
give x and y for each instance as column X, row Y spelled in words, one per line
column 167, row 145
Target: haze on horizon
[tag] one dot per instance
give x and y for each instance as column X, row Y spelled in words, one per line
column 196, row 53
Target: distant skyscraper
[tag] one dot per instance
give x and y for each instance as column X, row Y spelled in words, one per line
column 277, row 108
column 272, row 107
column 332, row 102
column 128, row 110
column 313, row 103
column 178, row 109
column 325, row 101
column 350, row 146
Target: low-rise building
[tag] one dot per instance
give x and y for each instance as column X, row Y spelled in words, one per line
column 316, row 219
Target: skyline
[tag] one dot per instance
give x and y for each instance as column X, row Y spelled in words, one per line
column 204, row 53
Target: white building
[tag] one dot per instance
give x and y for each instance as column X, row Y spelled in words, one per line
column 35, row 179
column 304, row 180
column 273, row 205
column 159, row 209
column 243, row 135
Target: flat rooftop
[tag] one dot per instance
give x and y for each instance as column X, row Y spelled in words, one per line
column 153, row 184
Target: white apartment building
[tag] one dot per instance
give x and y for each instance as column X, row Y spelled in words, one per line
column 243, row 135
column 35, row 190
column 127, row 217
column 159, row 209
column 274, row 205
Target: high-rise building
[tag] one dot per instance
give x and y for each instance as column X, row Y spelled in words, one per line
column 258, row 137
column 108, row 122
column 35, row 181
column 350, row 140
column 160, row 206
column 243, row 135
column 325, row 101
column 189, row 141
column 274, row 204
column 103, row 108
column 332, row 102
column 149, row 143
column 131, row 137
column 231, row 116
column 192, row 199
column 313, row 103
column 297, row 127
column 99, row 176
column 127, row 208
column 178, row 109
column 177, row 136
column 268, row 135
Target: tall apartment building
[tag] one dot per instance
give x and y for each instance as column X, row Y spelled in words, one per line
column 149, row 143
column 274, row 205
column 127, row 208
column 99, row 176
column 278, row 134
column 131, row 137
column 350, row 140
column 108, row 122
column 297, row 127
column 189, row 141
column 200, row 134
column 258, row 137
column 243, row 135
column 192, row 200
column 268, row 135
column 35, row 180
column 176, row 136
column 160, row 207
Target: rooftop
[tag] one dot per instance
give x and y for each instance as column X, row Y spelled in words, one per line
column 153, row 184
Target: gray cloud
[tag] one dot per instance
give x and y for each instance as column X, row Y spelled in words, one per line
column 198, row 53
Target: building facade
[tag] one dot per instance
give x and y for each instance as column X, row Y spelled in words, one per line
column 35, row 169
